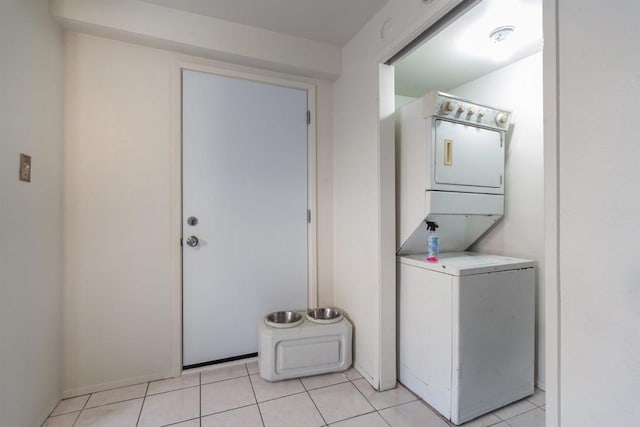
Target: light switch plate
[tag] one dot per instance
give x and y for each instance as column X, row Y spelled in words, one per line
column 25, row 168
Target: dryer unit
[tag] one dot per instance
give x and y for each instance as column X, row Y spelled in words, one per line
column 450, row 165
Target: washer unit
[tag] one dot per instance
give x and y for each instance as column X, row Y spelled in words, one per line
column 466, row 327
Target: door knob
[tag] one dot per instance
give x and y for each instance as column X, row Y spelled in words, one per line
column 192, row 241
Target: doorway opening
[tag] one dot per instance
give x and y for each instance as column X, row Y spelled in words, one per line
column 488, row 51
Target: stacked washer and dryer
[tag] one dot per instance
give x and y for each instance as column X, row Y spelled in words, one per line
column 466, row 322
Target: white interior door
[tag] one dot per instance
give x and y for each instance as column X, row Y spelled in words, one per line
column 245, row 182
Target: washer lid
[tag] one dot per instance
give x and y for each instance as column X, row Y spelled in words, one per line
column 466, row 263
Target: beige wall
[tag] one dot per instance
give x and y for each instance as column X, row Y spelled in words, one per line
column 31, row 67
column 122, row 210
column 120, row 263
column 599, row 213
column 520, row 233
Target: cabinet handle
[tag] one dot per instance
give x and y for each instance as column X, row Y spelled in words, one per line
column 448, row 152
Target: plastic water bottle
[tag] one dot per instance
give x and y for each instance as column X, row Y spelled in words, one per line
column 433, row 242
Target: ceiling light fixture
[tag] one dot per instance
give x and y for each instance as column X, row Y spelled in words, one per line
column 501, row 33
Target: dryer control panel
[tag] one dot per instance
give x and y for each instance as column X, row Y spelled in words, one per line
column 451, row 107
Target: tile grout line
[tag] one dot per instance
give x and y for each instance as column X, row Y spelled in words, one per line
column 313, row 401
column 316, row 406
column 75, row 421
column 417, row 399
column 348, row 418
column 399, row 404
column 133, row 398
column 113, row 403
column 522, row 413
column 143, row 400
column 438, row 414
column 354, row 416
column 123, row 400
column 383, row 418
column 323, row 386
column 83, row 407
column 254, row 395
column 282, row 397
column 56, row 405
column 365, row 397
column 165, row 392
column 179, row 422
column 225, row 379
column 113, row 388
column 228, row 410
column 377, row 411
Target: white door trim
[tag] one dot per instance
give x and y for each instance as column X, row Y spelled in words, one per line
column 176, row 186
column 386, row 205
column 387, row 229
column 553, row 317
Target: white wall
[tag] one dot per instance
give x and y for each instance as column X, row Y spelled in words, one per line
column 31, row 68
column 122, row 210
column 599, row 153
column 520, row 233
column 358, row 256
column 119, row 257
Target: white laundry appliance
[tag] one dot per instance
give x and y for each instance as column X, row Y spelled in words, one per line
column 466, row 331
column 465, row 323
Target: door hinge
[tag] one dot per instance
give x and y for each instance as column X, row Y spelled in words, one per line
column 308, row 117
column 309, row 216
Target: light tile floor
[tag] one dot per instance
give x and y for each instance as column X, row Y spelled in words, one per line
column 236, row 396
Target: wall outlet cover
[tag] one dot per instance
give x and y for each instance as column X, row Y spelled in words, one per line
column 25, row 168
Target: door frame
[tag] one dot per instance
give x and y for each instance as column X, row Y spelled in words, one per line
column 176, row 184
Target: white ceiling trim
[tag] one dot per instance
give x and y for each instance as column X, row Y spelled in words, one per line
column 328, row 21
column 156, row 26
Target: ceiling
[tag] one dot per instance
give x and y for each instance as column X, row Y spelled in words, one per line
column 329, row 21
column 463, row 51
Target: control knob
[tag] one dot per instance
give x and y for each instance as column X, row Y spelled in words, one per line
column 448, row 107
column 501, row 119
